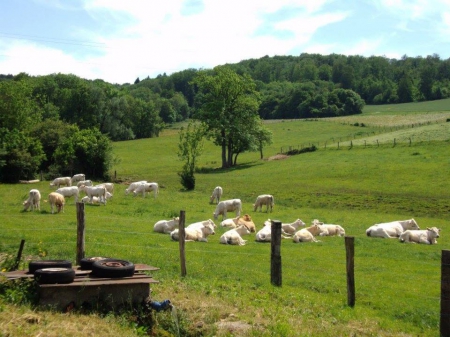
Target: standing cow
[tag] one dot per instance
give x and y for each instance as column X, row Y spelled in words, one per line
column 264, row 200
column 228, row 206
column 216, row 195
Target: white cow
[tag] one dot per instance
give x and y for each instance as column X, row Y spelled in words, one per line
column 34, row 200
column 203, row 223
column 147, row 187
column 133, row 186
column 66, row 181
column 71, row 191
column 78, row 177
column 108, row 195
column 95, row 200
column 166, row 226
column 231, row 222
column 308, row 234
column 228, row 206
column 264, row 200
column 56, row 200
column 234, row 236
column 216, row 195
column 199, row 233
column 391, row 229
column 265, row 233
column 291, row 228
column 85, row 183
column 94, row 191
column 332, row 229
column 427, row 236
column 109, row 187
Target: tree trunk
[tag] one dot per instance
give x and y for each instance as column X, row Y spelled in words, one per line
column 224, row 151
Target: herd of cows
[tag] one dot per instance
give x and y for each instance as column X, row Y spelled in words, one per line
column 239, row 226
column 404, row 230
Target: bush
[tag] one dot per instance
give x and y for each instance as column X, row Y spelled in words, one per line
column 187, row 179
column 304, row 150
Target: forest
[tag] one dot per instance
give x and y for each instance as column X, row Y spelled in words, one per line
column 48, row 122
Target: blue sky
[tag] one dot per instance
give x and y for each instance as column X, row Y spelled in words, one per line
column 120, row 40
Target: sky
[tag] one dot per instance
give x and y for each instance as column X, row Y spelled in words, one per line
column 119, row 41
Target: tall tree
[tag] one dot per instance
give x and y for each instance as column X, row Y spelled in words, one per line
column 229, row 102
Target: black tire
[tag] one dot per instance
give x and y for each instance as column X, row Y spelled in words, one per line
column 54, row 275
column 41, row 264
column 86, row 263
column 112, row 268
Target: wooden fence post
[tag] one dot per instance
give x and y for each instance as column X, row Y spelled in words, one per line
column 445, row 293
column 182, row 242
column 350, row 255
column 275, row 255
column 80, row 232
column 19, row 256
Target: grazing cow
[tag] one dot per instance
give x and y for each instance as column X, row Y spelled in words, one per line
column 427, row 236
column 95, row 200
column 234, row 236
column 166, row 226
column 85, row 183
column 108, row 195
column 230, row 223
column 78, row 177
column 247, row 221
column 109, row 187
column 133, row 186
column 216, row 195
column 94, row 191
column 333, row 230
column 391, row 229
column 71, row 191
column 264, row 199
column 34, row 200
column 66, row 181
column 308, row 234
column 228, row 206
column 199, row 233
column 147, row 187
column 291, row 228
column 56, row 200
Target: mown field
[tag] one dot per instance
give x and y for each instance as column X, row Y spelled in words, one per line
column 227, row 290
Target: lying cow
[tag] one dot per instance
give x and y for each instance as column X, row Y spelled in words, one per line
column 247, row 221
column 231, row 222
column 427, row 236
column 234, row 236
column 291, row 228
column 228, row 206
column 199, row 233
column 333, row 230
column 391, row 229
column 216, row 195
column 265, row 233
column 308, row 234
column 166, row 226
column 264, row 200
column 95, row 200
column 33, row 201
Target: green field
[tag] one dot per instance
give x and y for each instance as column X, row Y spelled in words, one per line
column 228, row 287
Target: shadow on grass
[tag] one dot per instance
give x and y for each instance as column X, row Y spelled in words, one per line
column 209, row 170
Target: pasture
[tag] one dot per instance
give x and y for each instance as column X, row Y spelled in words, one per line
column 228, row 287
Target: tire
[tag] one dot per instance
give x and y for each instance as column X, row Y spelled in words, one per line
column 54, row 275
column 112, row 268
column 41, row 264
column 86, row 263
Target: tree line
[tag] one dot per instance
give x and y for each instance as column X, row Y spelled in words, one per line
column 48, row 123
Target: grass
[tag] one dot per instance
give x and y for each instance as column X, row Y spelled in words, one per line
column 231, row 285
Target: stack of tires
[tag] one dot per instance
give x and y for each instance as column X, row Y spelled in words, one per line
column 61, row 271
